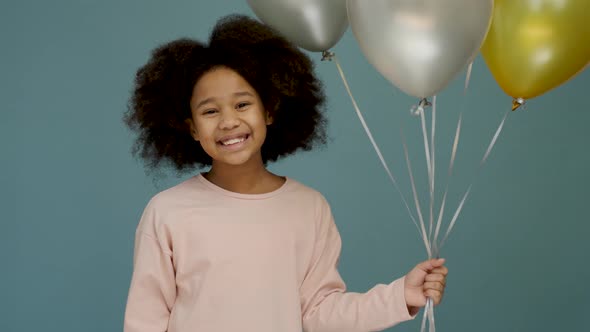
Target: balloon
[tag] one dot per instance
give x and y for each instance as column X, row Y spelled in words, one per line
column 315, row 25
column 536, row 45
column 420, row 46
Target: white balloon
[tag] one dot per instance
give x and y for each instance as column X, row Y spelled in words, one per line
column 420, row 45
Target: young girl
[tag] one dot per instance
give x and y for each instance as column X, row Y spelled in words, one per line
column 239, row 248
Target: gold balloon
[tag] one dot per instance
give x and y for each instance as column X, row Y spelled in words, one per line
column 534, row 46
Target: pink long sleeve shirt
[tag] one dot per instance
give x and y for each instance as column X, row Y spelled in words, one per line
column 210, row 260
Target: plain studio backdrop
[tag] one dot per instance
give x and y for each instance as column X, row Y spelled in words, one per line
column 71, row 193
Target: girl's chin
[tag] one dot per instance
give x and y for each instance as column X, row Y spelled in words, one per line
column 239, row 159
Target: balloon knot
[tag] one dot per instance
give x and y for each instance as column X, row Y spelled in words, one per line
column 517, row 103
column 327, row 55
column 418, row 109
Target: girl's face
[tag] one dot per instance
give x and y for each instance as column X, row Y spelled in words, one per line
column 228, row 118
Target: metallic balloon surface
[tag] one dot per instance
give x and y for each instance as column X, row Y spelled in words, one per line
column 315, row 25
column 536, row 45
column 420, row 45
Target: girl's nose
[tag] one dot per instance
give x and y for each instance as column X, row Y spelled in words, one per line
column 229, row 120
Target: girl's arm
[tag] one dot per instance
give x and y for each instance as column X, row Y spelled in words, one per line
column 325, row 303
column 153, row 288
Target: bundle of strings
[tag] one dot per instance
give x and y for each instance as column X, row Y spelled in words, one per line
column 430, row 237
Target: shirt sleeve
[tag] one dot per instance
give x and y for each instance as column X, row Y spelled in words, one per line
column 327, row 307
column 153, row 288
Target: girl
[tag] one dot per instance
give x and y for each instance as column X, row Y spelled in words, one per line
column 239, row 248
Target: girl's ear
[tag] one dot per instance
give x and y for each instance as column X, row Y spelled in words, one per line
column 192, row 129
column 268, row 118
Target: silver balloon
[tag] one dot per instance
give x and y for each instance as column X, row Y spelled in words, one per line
column 315, row 25
column 420, row 45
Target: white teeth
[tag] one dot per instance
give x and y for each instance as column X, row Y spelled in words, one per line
column 233, row 141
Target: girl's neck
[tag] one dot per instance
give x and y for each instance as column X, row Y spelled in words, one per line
column 244, row 179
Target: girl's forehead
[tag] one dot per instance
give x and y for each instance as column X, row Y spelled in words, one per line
column 220, row 82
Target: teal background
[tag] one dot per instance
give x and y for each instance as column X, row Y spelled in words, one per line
column 71, row 193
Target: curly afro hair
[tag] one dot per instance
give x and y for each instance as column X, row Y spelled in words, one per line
column 282, row 75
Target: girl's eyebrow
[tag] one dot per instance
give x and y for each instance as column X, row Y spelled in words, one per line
column 243, row 93
column 212, row 99
column 205, row 101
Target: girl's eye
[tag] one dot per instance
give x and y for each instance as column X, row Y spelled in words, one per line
column 242, row 105
column 209, row 111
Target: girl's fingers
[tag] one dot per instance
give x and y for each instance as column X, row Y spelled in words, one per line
column 434, row 285
column 436, row 296
column 435, row 282
column 435, row 277
column 440, row 270
column 431, row 264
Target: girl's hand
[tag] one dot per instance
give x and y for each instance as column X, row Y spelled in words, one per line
column 426, row 280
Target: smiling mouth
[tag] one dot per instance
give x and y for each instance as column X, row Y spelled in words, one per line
column 234, row 141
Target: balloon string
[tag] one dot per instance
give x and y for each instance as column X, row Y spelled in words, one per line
column 483, row 161
column 331, row 56
column 430, row 312
column 426, row 147
column 426, row 309
column 428, row 316
column 468, row 77
column 421, row 112
column 432, row 160
column 429, row 152
column 430, row 164
column 416, row 200
column 449, row 176
column 451, row 164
